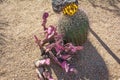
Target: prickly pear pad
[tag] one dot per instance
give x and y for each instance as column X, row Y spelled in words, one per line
column 53, row 47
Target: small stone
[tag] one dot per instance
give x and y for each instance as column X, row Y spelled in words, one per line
column 58, row 5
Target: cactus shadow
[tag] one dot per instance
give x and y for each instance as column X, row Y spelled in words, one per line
column 88, row 62
column 111, row 3
column 105, row 46
column 2, row 36
column 3, row 41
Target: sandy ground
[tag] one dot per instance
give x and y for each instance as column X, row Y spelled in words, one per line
column 21, row 19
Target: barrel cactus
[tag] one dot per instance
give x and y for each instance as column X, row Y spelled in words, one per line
column 75, row 26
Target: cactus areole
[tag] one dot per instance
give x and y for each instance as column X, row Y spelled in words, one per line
column 73, row 23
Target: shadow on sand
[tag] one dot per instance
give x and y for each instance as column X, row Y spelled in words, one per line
column 1, row 1
column 111, row 7
column 105, row 46
column 3, row 26
column 89, row 64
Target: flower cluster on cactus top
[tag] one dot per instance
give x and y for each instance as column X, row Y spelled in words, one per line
column 62, row 52
column 70, row 9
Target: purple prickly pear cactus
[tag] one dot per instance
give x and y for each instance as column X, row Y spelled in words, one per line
column 56, row 50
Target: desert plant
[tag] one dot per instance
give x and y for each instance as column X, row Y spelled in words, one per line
column 53, row 47
column 73, row 23
column 75, row 27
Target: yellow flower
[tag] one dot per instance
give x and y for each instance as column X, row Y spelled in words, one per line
column 70, row 9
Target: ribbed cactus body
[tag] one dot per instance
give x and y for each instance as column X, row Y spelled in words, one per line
column 75, row 28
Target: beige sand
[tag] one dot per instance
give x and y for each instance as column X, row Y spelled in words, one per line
column 100, row 59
